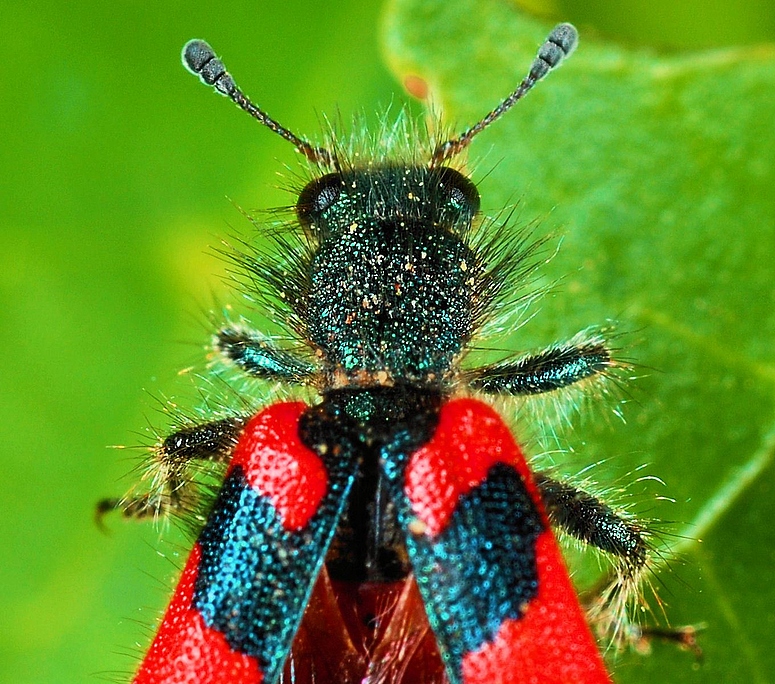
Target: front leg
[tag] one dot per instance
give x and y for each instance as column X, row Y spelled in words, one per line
column 258, row 357
column 548, row 371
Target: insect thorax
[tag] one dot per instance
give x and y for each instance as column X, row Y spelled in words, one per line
column 393, row 280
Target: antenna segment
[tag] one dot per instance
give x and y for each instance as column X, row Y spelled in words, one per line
column 200, row 59
column 560, row 43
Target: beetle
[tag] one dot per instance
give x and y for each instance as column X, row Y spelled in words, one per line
column 392, row 530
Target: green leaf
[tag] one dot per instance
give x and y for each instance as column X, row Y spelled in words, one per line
column 658, row 172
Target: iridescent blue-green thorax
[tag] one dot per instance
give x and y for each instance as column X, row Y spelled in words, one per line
column 392, row 279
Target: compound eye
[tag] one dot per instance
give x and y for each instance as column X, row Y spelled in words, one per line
column 317, row 196
column 457, row 193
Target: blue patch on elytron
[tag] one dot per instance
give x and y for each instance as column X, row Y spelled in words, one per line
column 481, row 569
column 249, row 560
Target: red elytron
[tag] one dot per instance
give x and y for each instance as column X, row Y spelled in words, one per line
column 542, row 635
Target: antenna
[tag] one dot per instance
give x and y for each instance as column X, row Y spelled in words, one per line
column 559, row 44
column 198, row 57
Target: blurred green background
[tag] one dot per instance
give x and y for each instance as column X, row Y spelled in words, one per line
column 116, row 168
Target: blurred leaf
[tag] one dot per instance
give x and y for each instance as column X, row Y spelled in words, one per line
column 658, row 171
column 117, row 165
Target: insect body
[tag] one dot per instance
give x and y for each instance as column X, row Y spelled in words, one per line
column 392, row 532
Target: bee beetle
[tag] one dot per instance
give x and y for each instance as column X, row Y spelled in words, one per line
column 392, row 530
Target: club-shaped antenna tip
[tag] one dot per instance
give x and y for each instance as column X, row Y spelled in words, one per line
column 196, row 53
column 566, row 37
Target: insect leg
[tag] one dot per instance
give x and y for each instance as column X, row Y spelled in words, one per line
column 588, row 519
column 547, row 371
column 212, row 441
column 259, row 358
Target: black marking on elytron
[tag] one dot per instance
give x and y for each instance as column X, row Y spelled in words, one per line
column 589, row 519
column 481, row 569
column 477, row 573
column 255, row 577
column 259, row 358
column 548, row 371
